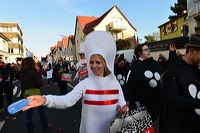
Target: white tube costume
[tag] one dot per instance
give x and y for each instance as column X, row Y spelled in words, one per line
column 100, row 95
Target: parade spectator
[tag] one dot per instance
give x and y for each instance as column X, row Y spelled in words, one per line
column 15, row 71
column 60, row 69
column 179, row 55
column 121, row 69
column 49, row 71
column 44, row 67
column 9, row 72
column 172, row 55
column 143, row 84
column 81, row 65
column 181, row 84
column 31, row 83
column 162, row 60
column 101, row 93
column 2, row 82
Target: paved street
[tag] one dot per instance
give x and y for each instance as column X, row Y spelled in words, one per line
column 61, row 121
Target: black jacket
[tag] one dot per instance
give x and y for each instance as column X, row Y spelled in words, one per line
column 181, row 84
column 30, row 79
column 144, row 85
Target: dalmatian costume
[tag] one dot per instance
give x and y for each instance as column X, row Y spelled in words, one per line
column 143, row 86
column 100, row 95
column 182, row 93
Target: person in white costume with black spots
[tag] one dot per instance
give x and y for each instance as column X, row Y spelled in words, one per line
column 101, row 93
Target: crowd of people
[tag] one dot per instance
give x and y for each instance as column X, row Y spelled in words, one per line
column 168, row 88
column 9, row 73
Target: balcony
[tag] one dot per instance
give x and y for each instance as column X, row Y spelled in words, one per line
column 117, row 26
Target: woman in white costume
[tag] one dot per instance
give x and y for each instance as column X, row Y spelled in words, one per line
column 101, row 93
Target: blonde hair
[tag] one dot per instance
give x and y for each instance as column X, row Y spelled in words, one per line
column 106, row 70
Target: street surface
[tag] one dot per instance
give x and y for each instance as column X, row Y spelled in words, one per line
column 60, row 121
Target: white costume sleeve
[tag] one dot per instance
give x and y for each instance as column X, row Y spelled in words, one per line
column 122, row 101
column 65, row 101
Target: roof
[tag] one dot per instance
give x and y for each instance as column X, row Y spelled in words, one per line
column 65, row 41
column 90, row 26
column 71, row 37
column 184, row 14
column 59, row 44
column 83, row 20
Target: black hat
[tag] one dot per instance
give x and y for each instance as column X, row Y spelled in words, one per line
column 194, row 40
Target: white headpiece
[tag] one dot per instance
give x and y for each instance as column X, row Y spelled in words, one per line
column 103, row 43
column 29, row 54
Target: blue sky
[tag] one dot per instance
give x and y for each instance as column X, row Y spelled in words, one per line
column 44, row 21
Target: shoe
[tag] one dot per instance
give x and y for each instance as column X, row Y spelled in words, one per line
column 55, row 83
column 2, row 110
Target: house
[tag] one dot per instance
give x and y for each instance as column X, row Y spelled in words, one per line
column 177, row 27
column 14, row 33
column 113, row 21
column 64, row 49
column 68, row 47
column 79, row 35
column 175, row 32
column 4, row 41
column 71, row 48
column 193, row 7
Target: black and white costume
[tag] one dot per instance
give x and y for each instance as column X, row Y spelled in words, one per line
column 182, row 97
column 143, row 86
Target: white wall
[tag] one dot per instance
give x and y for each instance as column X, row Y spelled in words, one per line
column 127, row 33
column 165, row 53
column 3, row 45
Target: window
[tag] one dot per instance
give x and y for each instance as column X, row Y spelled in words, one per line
column 173, row 26
column 185, row 30
column 164, row 30
column 11, row 51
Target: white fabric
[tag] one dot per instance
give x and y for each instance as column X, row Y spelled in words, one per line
column 29, row 54
column 80, row 63
column 95, row 118
column 49, row 72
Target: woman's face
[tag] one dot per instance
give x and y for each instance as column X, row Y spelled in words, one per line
column 145, row 53
column 97, row 65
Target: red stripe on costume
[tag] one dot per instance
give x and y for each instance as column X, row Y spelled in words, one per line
column 107, row 102
column 102, row 92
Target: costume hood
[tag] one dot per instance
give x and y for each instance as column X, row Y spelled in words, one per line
column 103, row 43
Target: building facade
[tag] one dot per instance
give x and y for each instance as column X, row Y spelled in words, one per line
column 178, row 27
column 193, row 7
column 112, row 21
column 4, row 55
column 15, row 46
